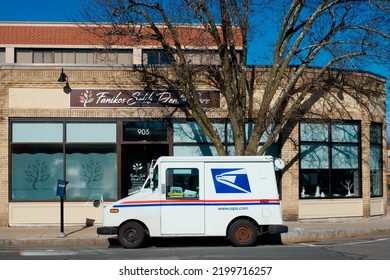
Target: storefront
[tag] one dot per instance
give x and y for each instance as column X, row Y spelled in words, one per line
column 101, row 131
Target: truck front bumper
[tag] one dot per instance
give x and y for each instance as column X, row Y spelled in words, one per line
column 274, row 229
column 107, row 230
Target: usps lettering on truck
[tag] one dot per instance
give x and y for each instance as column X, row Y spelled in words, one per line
column 231, row 180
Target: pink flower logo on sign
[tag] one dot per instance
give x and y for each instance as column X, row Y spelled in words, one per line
column 86, row 97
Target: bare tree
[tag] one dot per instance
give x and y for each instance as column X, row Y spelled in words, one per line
column 325, row 34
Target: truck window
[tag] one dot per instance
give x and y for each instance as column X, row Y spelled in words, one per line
column 182, row 183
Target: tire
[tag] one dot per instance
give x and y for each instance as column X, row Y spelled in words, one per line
column 242, row 233
column 131, row 235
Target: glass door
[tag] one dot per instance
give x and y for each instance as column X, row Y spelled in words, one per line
column 136, row 159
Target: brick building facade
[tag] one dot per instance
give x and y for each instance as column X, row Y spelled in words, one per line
column 100, row 139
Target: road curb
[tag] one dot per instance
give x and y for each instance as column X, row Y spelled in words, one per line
column 297, row 235
column 301, row 235
column 21, row 242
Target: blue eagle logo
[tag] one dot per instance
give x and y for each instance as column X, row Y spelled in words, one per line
column 231, row 180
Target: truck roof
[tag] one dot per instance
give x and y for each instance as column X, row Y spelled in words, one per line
column 215, row 159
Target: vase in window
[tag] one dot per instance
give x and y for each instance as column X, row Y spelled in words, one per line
column 318, row 194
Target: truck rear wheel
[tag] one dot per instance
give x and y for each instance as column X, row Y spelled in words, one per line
column 242, row 233
column 131, row 235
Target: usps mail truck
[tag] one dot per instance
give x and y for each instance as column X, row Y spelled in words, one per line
column 233, row 196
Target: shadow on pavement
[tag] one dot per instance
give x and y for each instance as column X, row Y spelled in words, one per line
column 78, row 230
column 272, row 239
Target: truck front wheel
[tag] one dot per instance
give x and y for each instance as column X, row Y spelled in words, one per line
column 242, row 233
column 131, row 235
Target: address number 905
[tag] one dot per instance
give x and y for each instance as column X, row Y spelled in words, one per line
column 143, row 131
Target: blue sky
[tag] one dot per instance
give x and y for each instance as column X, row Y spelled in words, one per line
column 39, row 10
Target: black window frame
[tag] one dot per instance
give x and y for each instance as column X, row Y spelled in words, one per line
column 376, row 137
column 155, row 57
column 329, row 174
column 94, row 55
column 61, row 146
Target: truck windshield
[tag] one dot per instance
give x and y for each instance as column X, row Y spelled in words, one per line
column 155, row 177
column 152, row 180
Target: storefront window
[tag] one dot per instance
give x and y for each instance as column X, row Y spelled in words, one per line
column 329, row 160
column 191, row 132
column 91, row 171
column 37, row 132
column 376, row 160
column 190, row 140
column 35, row 170
column 41, row 155
column 91, row 132
column 194, row 150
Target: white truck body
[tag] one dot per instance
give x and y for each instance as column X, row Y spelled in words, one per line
column 214, row 192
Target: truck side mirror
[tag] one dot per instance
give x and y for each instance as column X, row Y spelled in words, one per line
column 96, row 203
column 279, row 164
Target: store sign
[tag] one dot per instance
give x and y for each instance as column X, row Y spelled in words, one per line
column 93, row 98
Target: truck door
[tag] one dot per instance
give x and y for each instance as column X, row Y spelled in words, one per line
column 182, row 207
